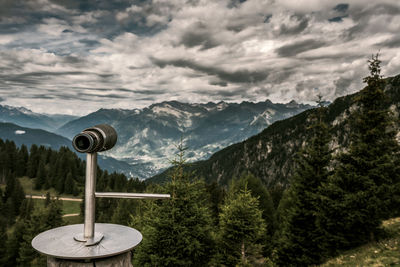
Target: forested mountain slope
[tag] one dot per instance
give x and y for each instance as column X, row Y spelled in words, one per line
column 270, row 155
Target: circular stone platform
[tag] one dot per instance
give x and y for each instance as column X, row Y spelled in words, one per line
column 60, row 243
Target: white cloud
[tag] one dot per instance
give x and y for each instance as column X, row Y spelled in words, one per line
column 19, row 132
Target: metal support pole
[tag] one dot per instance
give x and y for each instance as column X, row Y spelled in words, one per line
column 89, row 236
column 90, row 187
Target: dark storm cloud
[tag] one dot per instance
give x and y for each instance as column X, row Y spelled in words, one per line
column 198, row 35
column 301, row 25
column 98, row 18
column 92, row 5
column 123, row 90
column 342, row 85
column 42, row 96
column 223, row 94
column 337, row 19
column 19, row 15
column 73, row 60
column 341, row 8
column 231, row 93
column 239, row 76
column 393, row 42
column 49, row 74
column 235, row 3
column 280, row 76
column 295, row 48
column 365, row 13
column 139, row 17
column 362, row 16
column 340, row 54
column 91, row 96
column 148, row 92
column 218, row 83
column 37, row 78
column 89, row 42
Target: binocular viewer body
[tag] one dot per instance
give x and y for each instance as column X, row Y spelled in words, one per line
column 98, row 138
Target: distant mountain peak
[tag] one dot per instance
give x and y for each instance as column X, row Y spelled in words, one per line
column 20, row 109
column 27, row 118
column 292, row 103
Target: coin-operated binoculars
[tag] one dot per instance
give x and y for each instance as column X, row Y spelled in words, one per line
column 92, row 240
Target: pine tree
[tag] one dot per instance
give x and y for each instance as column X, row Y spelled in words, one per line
column 26, row 209
column 216, row 195
column 259, row 191
column 18, row 195
column 176, row 232
column 38, row 221
column 366, row 181
column 123, row 212
column 11, row 151
column 69, row 184
column 301, row 242
column 241, row 230
column 53, row 215
column 47, row 200
column 22, row 161
column 3, row 233
column 26, row 254
column 40, row 176
column 33, row 161
column 13, row 197
column 13, row 244
column 3, row 165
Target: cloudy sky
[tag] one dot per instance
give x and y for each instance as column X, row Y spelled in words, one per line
column 76, row 56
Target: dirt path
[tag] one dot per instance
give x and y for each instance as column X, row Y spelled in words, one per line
column 70, row 215
column 60, row 198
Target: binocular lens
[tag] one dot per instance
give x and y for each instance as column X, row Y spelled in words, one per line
column 82, row 142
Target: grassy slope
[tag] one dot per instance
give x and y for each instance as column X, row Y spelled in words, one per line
column 28, row 186
column 69, row 207
column 385, row 252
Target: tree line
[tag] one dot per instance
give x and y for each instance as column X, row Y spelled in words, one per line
column 335, row 201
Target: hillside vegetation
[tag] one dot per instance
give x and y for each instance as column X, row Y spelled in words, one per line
column 385, row 252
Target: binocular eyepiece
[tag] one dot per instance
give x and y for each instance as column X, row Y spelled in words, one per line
column 95, row 139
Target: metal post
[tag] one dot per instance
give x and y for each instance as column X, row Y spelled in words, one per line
column 89, row 236
column 90, row 187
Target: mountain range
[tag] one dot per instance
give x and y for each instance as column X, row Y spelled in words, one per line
column 270, row 154
column 147, row 138
column 26, row 118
